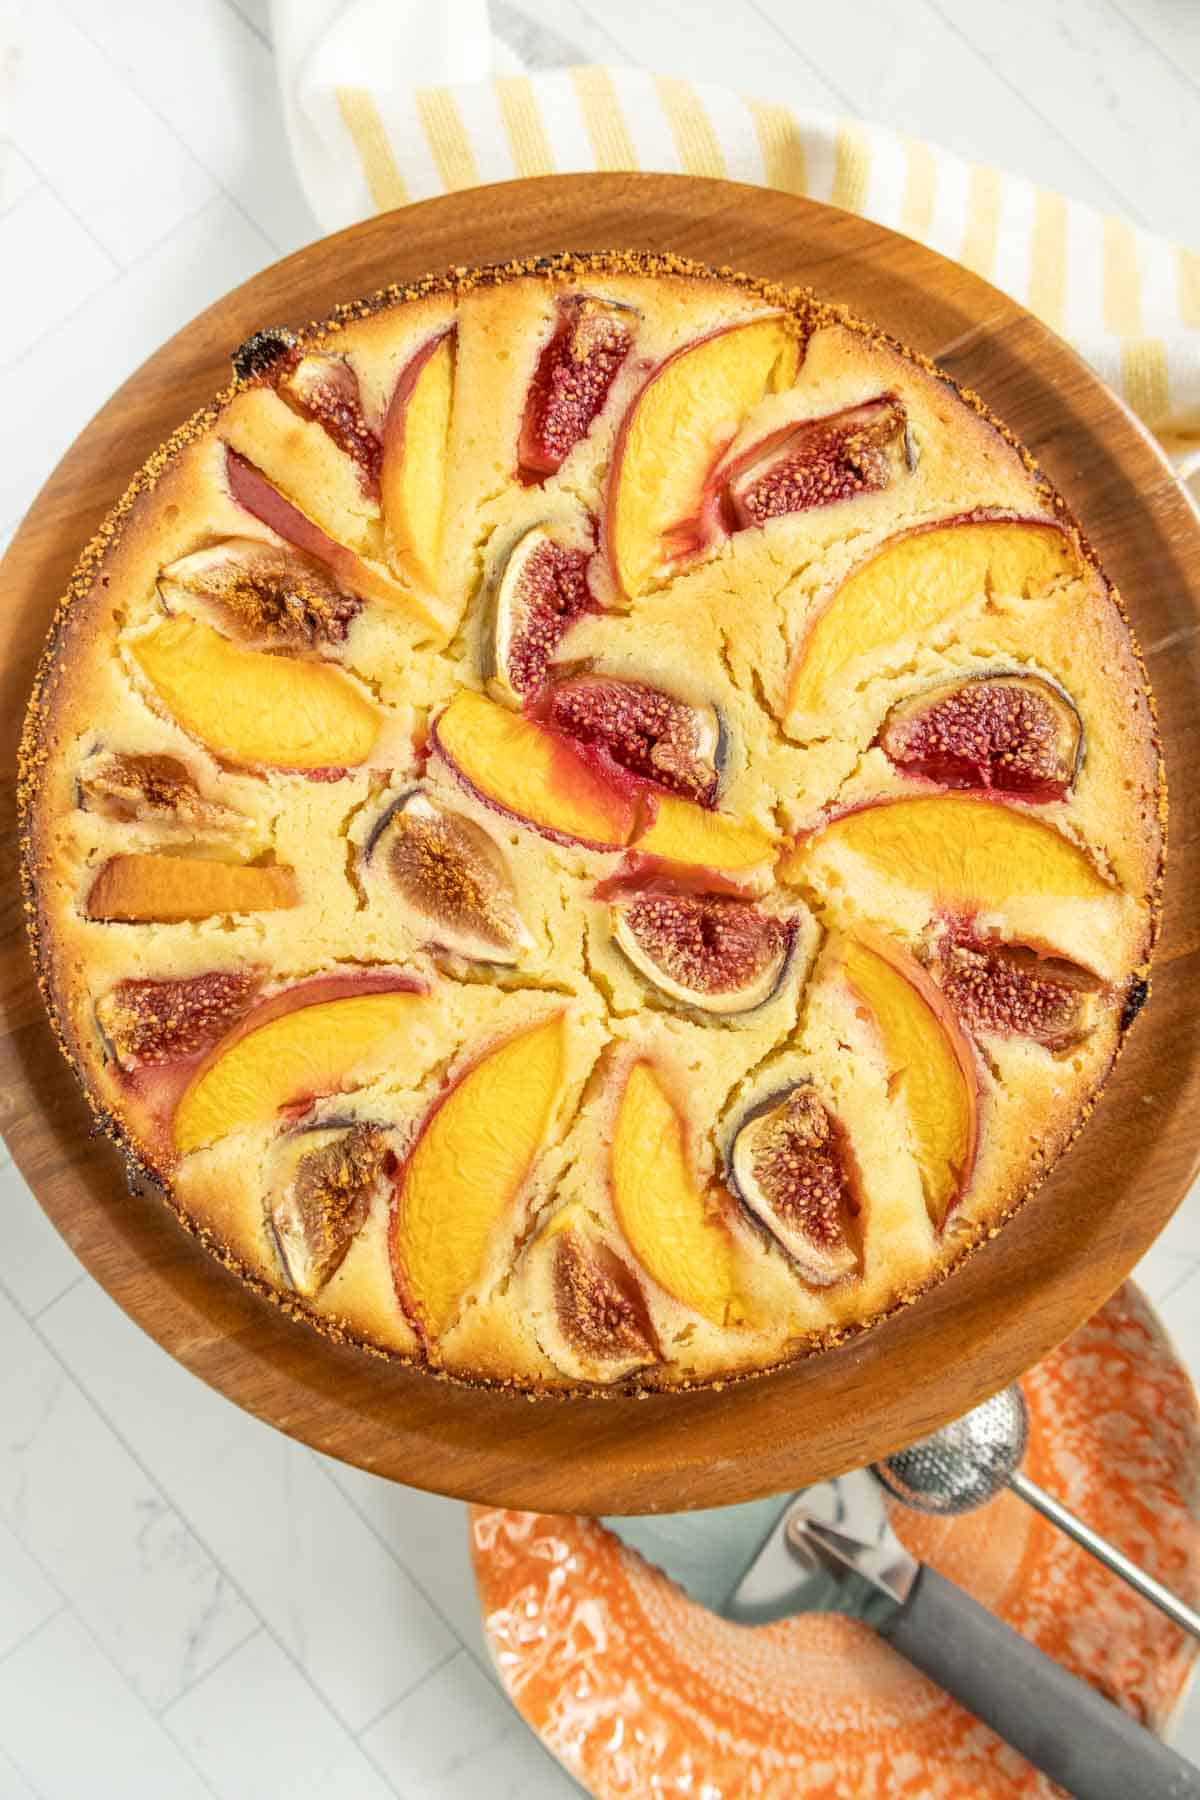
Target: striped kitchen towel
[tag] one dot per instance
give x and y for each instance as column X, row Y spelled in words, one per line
column 389, row 101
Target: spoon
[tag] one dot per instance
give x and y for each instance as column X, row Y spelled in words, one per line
column 968, row 1462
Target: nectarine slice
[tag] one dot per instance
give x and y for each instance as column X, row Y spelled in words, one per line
column 164, row 889
column 298, row 1055
column 926, row 1053
column 263, row 500
column 912, row 584
column 688, row 412
column 965, row 851
column 682, row 832
column 469, row 1166
column 532, row 774
column 416, row 436
column 252, row 708
column 661, row 1208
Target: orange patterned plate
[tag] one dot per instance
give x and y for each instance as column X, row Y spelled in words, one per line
column 640, row 1691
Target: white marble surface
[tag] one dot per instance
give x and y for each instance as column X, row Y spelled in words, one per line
column 190, row 1604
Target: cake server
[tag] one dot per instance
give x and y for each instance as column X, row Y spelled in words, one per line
column 832, row 1548
column 969, row 1461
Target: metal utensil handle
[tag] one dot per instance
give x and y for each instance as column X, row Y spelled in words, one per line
column 1063, row 1726
column 1112, row 1558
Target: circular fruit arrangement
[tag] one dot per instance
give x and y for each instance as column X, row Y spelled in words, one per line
column 591, row 823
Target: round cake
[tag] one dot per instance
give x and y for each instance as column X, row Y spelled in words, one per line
column 591, row 824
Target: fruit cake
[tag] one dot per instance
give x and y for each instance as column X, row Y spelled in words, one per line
column 591, row 824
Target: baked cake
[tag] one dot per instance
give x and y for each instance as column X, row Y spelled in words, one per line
column 592, row 822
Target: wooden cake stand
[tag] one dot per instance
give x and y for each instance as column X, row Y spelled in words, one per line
column 1051, row 1267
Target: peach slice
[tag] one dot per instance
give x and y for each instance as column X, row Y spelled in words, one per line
column 668, row 1223
column 927, row 1054
column 966, row 851
column 322, row 1182
column 685, row 416
column 254, row 709
column 164, row 889
column 262, row 499
column 324, row 388
column 470, row 1164
column 596, row 1325
column 792, row 1168
column 296, row 1048
column 542, row 590
column 532, row 774
column 680, row 831
column 265, row 595
column 912, row 584
column 716, row 953
column 1015, row 734
column 416, row 436
column 570, row 385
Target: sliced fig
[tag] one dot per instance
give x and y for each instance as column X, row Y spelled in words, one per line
column 594, row 1322
column 718, row 954
column 266, row 595
column 652, row 734
column 816, row 462
column 1012, row 990
column 792, row 1168
column 448, row 870
column 153, row 786
column 145, row 1023
column 324, row 388
column 590, row 341
column 322, row 1181
column 1016, row 734
column 542, row 589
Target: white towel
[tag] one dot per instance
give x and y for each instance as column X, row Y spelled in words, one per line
column 389, row 101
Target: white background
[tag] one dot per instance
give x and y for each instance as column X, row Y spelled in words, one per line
column 190, row 1604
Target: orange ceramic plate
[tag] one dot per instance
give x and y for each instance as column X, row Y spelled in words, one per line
column 638, row 1690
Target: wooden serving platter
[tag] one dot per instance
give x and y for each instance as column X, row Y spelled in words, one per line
column 1023, row 1293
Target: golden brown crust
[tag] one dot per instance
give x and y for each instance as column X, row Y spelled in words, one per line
column 138, row 511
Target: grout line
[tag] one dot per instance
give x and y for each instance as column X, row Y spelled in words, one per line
column 119, row 271
column 27, row 1637
column 218, row 1562
column 1122, row 204
column 1180, row 1281
column 813, row 68
column 460, row 1649
column 165, row 122
column 44, row 182
column 251, row 27
column 403, row 1566
column 55, row 1298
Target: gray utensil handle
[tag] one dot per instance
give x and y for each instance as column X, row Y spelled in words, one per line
column 1063, row 1726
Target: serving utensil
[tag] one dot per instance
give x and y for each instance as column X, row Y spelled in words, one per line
column 971, row 1460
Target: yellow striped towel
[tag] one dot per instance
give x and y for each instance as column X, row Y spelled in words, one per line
column 1128, row 301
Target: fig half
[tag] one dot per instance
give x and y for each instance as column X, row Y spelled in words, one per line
column 1015, row 734
column 718, row 954
column 264, row 595
column 593, row 1320
column 542, row 589
column 322, row 1181
column 1014, row 990
column 450, row 873
column 792, row 1168
column 644, row 730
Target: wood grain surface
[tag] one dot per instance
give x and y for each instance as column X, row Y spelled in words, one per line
column 1050, row 1268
